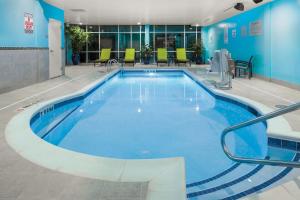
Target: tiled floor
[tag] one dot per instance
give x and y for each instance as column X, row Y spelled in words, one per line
column 21, row 179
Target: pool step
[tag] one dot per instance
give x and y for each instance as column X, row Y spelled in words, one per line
column 243, row 180
column 246, row 182
column 232, row 175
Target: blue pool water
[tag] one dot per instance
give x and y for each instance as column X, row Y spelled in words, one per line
column 144, row 115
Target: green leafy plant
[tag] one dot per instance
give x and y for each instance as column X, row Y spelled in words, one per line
column 78, row 38
column 198, row 50
column 146, row 51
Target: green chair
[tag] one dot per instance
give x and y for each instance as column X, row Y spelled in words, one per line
column 181, row 56
column 104, row 56
column 162, row 56
column 129, row 56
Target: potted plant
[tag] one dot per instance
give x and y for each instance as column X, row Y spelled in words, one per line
column 146, row 53
column 198, row 51
column 78, row 39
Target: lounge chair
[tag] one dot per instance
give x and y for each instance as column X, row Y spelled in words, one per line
column 129, row 56
column 162, row 56
column 181, row 56
column 104, row 57
column 245, row 66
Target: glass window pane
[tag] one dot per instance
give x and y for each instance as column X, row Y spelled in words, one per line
column 199, row 28
column 93, row 56
column 109, row 40
column 143, row 28
column 108, row 28
column 175, row 40
column 136, row 41
column 137, row 57
column 93, row 28
column 136, row 28
column 125, row 28
column 160, row 41
column 189, row 28
column 199, row 37
column 124, row 41
column 82, row 57
column 83, row 27
column 190, row 56
column 122, row 55
column 151, row 28
column 160, row 28
column 190, row 40
column 151, row 41
column 114, row 55
column 143, row 40
column 93, row 44
column 175, row 28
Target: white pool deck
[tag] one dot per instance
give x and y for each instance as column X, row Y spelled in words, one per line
column 21, row 179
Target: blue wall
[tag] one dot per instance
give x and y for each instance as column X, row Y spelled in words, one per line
column 12, row 24
column 276, row 51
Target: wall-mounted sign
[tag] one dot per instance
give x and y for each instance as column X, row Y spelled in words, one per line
column 226, row 35
column 256, row 28
column 28, row 23
column 234, row 33
column 244, row 31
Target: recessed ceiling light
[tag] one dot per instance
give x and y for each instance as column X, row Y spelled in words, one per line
column 80, row 23
column 139, row 23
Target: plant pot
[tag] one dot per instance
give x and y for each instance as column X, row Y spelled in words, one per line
column 75, row 58
column 198, row 60
column 147, row 60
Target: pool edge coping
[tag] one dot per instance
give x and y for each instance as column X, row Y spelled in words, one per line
column 167, row 177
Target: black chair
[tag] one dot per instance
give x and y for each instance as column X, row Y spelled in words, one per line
column 244, row 66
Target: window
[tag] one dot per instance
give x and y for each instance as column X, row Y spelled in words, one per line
column 125, row 28
column 108, row 28
column 136, row 41
column 160, row 29
column 135, row 29
column 82, row 57
column 174, row 41
column 93, row 29
column 190, row 40
column 109, row 40
column 189, row 28
column 160, row 40
column 124, row 41
column 93, row 56
column 175, row 28
column 93, row 44
column 118, row 38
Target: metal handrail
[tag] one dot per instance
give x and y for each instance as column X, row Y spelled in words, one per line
column 271, row 115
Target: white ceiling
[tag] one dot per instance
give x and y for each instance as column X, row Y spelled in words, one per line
column 126, row 12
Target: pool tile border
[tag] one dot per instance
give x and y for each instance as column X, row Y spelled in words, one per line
column 284, row 144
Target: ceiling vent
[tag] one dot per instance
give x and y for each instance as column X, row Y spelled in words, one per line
column 77, row 10
column 257, row 1
column 239, row 6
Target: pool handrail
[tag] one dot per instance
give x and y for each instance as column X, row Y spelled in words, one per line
column 262, row 118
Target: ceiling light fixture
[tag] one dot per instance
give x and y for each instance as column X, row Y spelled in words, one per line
column 139, row 23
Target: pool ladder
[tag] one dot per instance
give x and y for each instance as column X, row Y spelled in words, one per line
column 262, row 118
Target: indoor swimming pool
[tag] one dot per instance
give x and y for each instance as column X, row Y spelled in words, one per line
column 153, row 114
